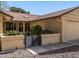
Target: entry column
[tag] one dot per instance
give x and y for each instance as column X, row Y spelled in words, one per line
column 23, row 27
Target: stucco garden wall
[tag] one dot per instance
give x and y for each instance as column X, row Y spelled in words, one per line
column 12, row 42
column 50, row 38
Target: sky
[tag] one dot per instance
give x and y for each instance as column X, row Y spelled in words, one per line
column 43, row 7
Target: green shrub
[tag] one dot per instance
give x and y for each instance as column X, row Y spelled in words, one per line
column 28, row 33
column 46, row 31
column 10, row 33
column 36, row 29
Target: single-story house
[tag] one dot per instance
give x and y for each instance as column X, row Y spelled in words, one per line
column 15, row 21
column 65, row 22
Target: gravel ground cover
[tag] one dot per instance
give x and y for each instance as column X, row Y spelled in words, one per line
column 69, row 52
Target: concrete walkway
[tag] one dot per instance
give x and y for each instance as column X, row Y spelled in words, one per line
column 41, row 49
column 75, row 42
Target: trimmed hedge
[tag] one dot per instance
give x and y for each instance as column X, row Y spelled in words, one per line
column 46, row 31
column 10, row 33
column 36, row 29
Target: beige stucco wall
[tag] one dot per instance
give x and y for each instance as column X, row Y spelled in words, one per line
column 70, row 26
column 43, row 23
column 50, row 38
column 1, row 27
column 50, row 23
column 12, row 42
column 1, row 21
column 6, row 17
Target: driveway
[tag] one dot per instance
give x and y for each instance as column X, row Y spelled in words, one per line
column 63, row 50
column 74, row 42
column 41, row 49
column 68, row 52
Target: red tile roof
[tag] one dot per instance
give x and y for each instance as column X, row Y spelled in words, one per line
column 20, row 16
column 30, row 17
column 57, row 13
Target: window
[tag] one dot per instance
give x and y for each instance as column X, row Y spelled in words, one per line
column 27, row 26
column 9, row 26
column 14, row 26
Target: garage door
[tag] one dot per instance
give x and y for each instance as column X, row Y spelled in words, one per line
column 72, row 31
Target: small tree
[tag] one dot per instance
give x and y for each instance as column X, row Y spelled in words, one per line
column 36, row 29
column 19, row 10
